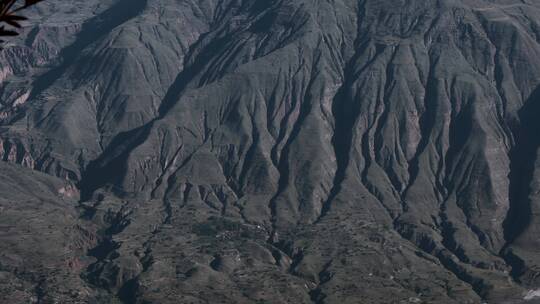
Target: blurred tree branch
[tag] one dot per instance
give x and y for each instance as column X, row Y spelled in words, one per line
column 9, row 16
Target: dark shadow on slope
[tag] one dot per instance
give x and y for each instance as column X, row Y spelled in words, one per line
column 192, row 69
column 283, row 164
column 522, row 166
column 517, row 264
column 523, row 158
column 106, row 169
column 427, row 122
column 111, row 166
column 103, row 249
column 346, row 110
column 91, row 31
column 345, row 113
column 317, row 295
column 128, row 291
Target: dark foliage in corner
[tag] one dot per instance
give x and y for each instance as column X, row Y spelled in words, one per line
column 9, row 14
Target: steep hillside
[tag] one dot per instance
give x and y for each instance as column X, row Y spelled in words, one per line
column 280, row 151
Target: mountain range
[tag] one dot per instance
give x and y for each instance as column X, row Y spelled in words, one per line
column 276, row 151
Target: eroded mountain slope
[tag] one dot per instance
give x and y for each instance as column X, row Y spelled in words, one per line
column 288, row 151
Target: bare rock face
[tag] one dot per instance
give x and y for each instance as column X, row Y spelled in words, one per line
column 243, row 151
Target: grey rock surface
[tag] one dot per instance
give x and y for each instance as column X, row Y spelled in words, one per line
column 280, row 151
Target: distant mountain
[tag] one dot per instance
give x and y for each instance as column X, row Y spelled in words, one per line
column 277, row 151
